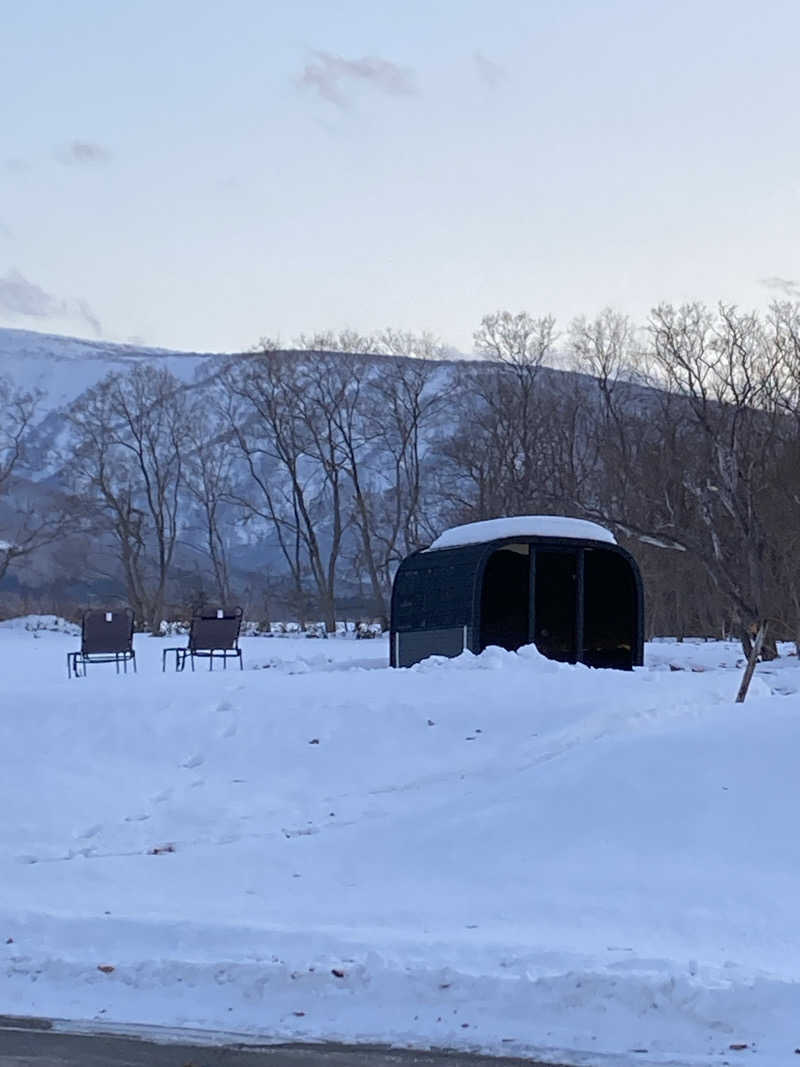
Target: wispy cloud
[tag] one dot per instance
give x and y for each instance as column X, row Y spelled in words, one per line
column 333, row 77
column 490, row 72
column 6, row 233
column 20, row 298
column 83, row 154
column 785, row 286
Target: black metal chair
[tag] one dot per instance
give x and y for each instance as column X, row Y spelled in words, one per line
column 212, row 635
column 106, row 637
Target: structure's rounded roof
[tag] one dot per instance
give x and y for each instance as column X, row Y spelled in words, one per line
column 560, row 526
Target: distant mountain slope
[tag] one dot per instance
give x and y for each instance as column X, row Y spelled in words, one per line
column 63, row 367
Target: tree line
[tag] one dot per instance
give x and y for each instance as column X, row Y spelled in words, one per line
column 345, row 453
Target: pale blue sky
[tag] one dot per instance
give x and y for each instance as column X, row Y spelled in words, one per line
column 196, row 175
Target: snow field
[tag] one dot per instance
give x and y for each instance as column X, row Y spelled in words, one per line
column 496, row 852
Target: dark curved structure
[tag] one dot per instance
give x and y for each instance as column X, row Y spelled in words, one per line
column 579, row 600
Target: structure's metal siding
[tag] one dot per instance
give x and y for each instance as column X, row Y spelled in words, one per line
column 413, row 646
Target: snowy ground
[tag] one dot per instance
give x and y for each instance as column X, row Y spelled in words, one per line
column 496, row 852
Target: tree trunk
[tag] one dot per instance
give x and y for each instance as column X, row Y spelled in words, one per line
column 329, row 612
column 769, row 650
column 752, row 659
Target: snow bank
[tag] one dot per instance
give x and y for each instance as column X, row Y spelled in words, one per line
column 522, row 526
column 37, row 623
column 495, row 852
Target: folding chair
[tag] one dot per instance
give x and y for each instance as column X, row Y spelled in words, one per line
column 106, row 637
column 213, row 635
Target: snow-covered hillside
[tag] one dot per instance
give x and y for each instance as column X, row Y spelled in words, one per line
column 63, row 367
column 496, row 852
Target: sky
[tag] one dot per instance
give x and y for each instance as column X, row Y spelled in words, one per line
column 198, row 175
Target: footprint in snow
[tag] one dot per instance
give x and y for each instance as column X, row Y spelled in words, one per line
column 91, row 831
column 85, row 853
column 193, row 761
column 139, row 817
column 160, row 798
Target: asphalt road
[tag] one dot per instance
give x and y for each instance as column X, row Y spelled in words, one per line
column 31, row 1044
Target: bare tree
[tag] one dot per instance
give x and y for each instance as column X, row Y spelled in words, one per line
column 520, row 341
column 31, row 516
column 209, row 470
column 387, row 430
column 129, row 461
column 284, row 421
column 689, row 464
column 334, row 443
column 498, row 457
column 346, row 340
column 413, row 402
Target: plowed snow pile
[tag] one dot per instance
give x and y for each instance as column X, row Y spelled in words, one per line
column 495, row 852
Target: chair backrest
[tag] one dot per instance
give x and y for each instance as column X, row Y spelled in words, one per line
column 106, row 631
column 215, row 629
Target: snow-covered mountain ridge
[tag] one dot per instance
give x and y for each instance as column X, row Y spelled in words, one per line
column 63, row 367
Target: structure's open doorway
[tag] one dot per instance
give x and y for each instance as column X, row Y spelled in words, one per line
column 610, row 612
column 505, row 598
column 555, row 609
column 574, row 604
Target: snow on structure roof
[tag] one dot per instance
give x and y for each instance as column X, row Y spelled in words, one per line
column 473, row 533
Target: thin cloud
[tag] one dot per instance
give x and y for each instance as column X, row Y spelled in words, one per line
column 5, row 231
column 20, row 298
column 489, row 71
column 83, row 154
column 785, row 286
column 332, row 77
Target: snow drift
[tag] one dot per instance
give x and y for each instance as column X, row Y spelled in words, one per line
column 494, row 852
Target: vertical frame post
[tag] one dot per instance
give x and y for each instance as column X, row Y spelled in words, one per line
column 579, row 606
column 531, row 594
